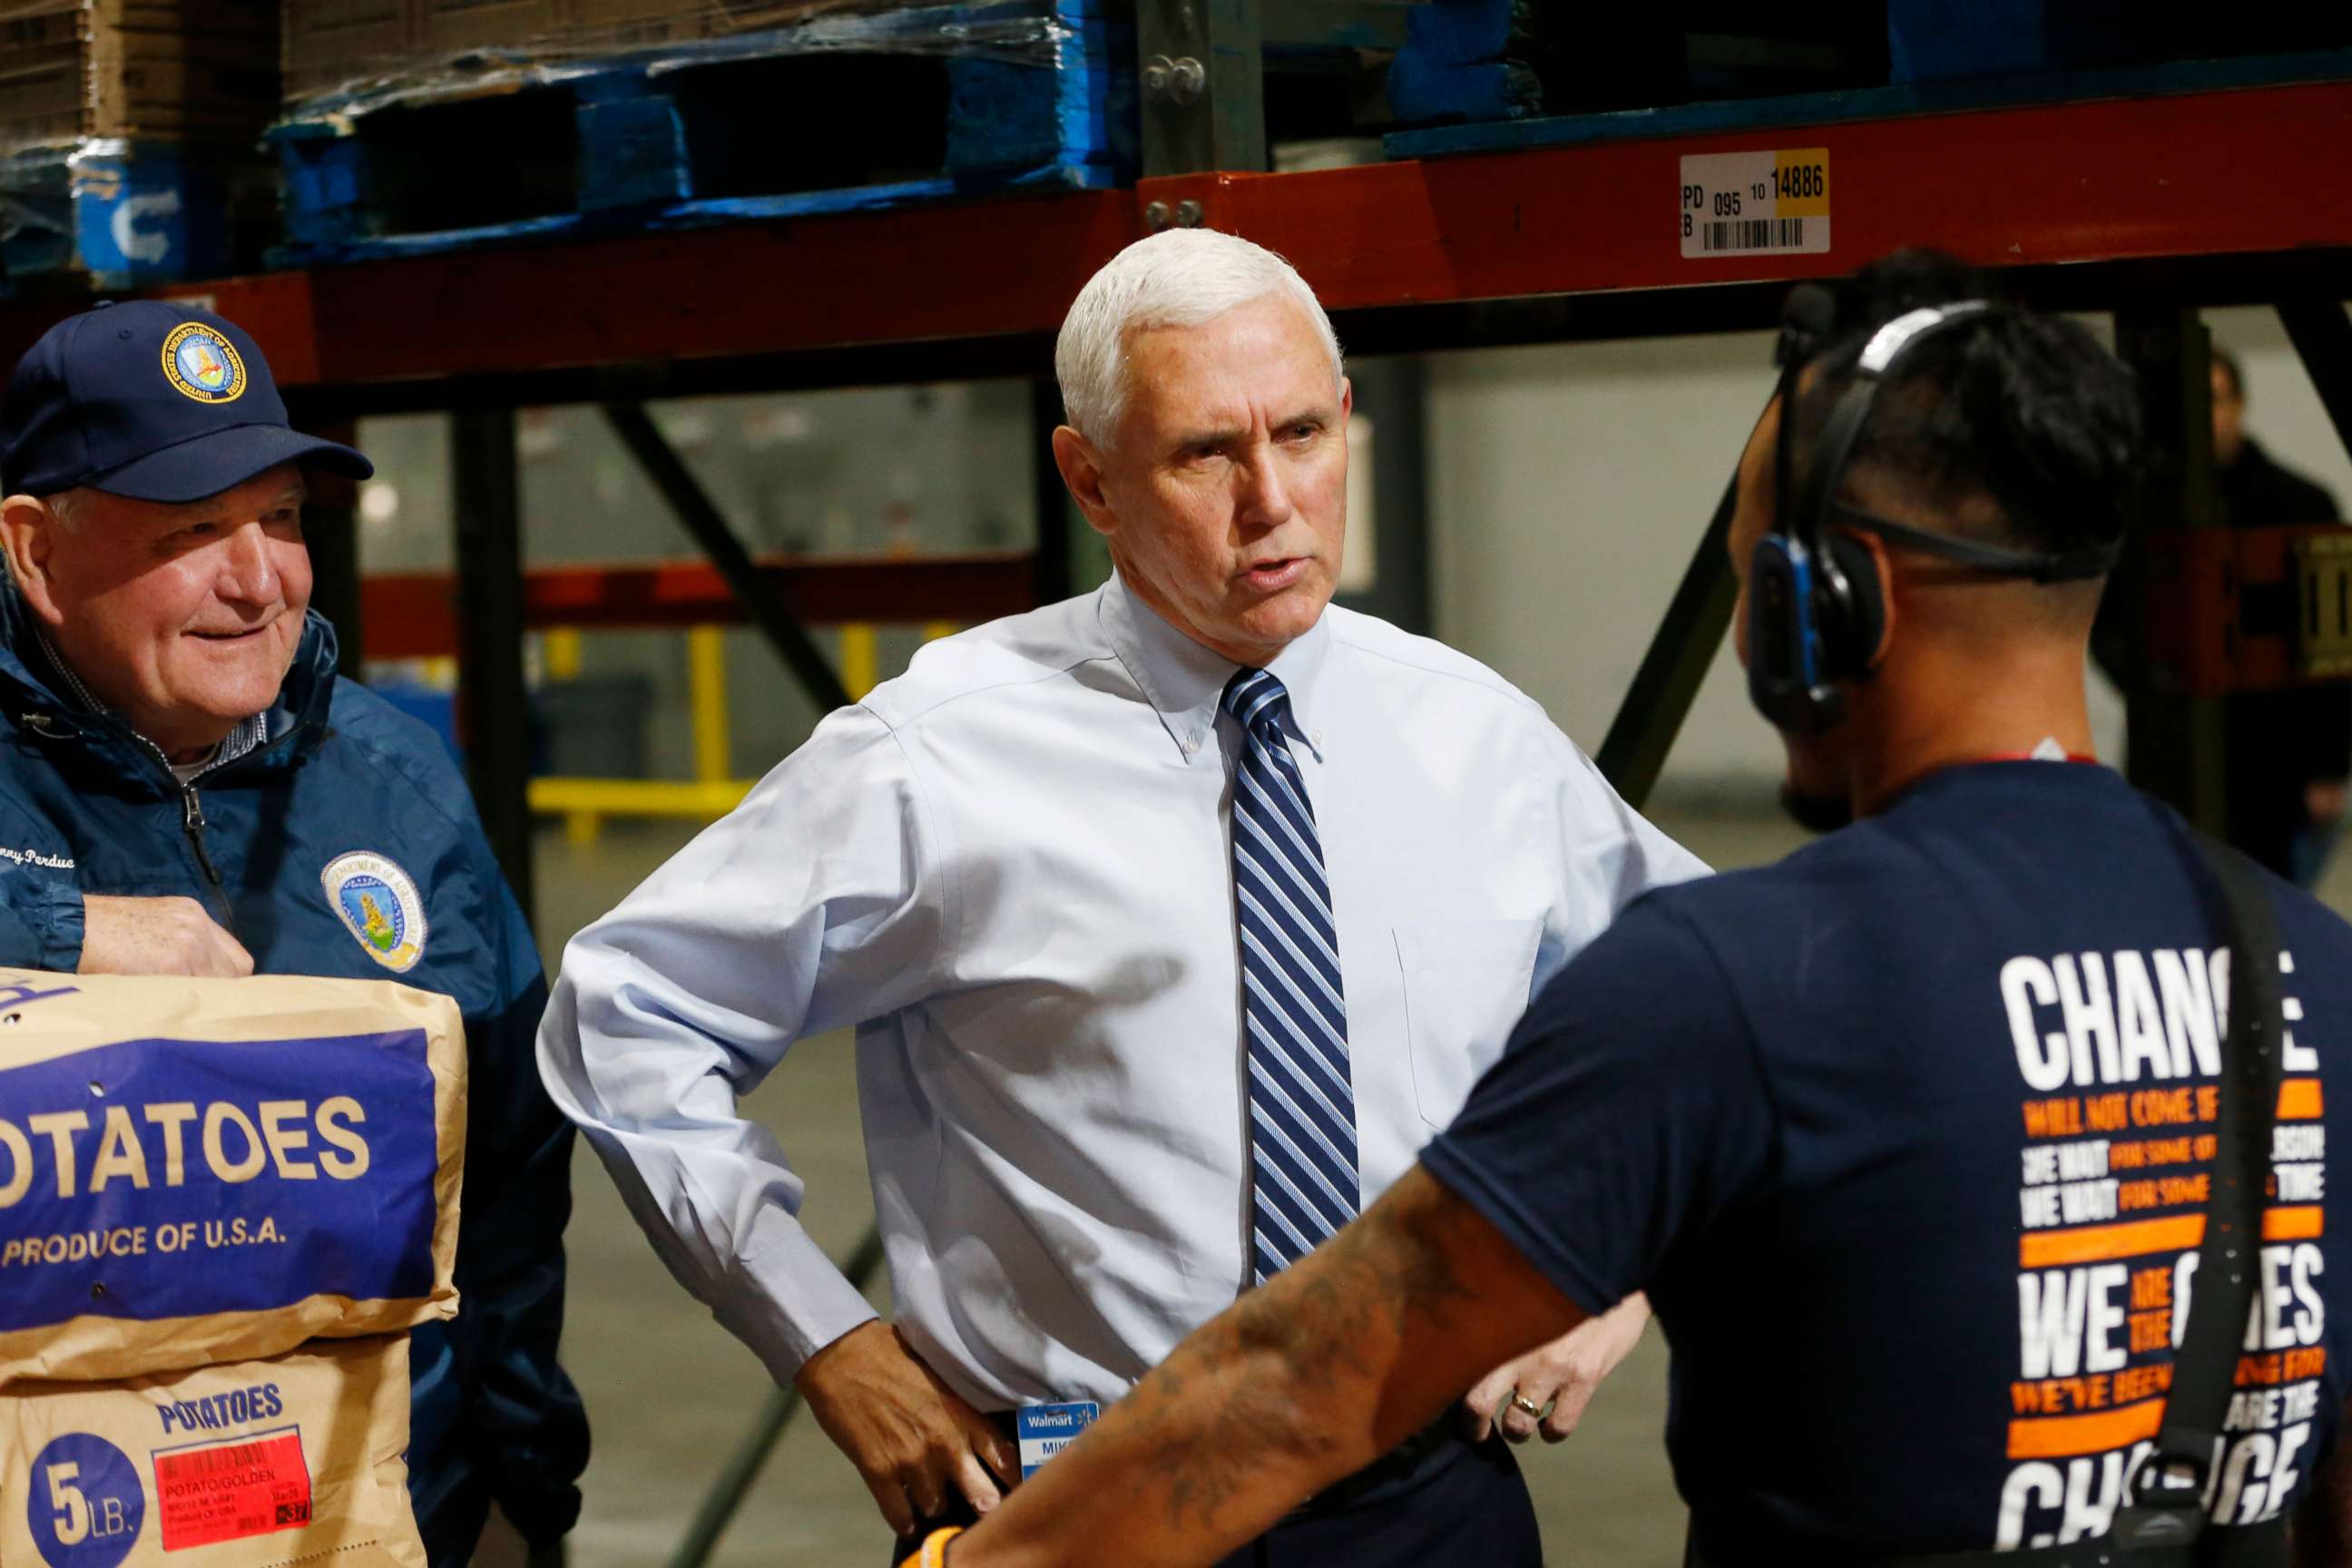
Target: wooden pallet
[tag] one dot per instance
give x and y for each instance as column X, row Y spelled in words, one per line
column 765, row 126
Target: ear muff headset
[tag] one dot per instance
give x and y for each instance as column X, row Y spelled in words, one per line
column 1815, row 612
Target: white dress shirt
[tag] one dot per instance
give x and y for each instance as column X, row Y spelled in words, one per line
column 1010, row 870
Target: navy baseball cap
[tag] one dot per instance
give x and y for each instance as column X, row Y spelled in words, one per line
column 153, row 400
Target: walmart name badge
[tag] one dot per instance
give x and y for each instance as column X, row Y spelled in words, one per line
column 378, row 904
column 1045, row 1430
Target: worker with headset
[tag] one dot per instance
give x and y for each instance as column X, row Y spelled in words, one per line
column 1988, row 1219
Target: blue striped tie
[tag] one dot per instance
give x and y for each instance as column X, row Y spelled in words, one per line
column 1294, row 1011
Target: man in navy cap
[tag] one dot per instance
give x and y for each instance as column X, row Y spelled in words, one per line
column 187, row 787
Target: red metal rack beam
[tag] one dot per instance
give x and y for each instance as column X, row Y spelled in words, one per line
column 414, row 614
column 2240, row 172
column 2202, row 173
column 970, row 271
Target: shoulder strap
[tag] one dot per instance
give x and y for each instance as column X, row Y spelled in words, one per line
column 2168, row 1506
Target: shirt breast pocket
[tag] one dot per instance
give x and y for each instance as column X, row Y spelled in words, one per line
column 1465, row 985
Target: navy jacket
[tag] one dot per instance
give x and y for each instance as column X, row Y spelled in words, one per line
column 87, row 806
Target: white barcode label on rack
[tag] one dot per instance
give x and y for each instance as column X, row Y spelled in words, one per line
column 1754, row 234
column 1755, row 204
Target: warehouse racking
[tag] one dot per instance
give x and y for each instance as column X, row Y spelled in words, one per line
column 2142, row 205
column 2151, row 206
column 2150, row 195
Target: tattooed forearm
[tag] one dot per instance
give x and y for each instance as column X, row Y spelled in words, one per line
column 1392, row 1265
column 1257, row 1384
column 1207, row 1420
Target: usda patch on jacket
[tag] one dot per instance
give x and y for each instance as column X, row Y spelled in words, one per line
column 380, row 905
column 197, row 1171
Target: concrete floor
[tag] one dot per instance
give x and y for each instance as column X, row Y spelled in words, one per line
column 670, row 1394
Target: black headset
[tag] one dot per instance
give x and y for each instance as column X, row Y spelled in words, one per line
column 1815, row 614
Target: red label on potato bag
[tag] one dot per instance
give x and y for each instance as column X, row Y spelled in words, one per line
column 226, row 1491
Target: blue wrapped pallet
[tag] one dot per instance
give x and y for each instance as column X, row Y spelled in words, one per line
column 1456, row 65
column 667, row 121
column 1930, row 41
column 113, row 212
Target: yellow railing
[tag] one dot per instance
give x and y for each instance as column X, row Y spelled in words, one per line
column 710, row 794
column 583, row 804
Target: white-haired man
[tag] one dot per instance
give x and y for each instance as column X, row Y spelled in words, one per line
column 188, row 788
column 1174, row 919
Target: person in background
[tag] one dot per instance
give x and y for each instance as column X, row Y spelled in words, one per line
column 1174, row 919
column 188, row 787
column 2291, row 749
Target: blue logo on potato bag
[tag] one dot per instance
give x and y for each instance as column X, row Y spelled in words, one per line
column 163, row 1178
column 85, row 1505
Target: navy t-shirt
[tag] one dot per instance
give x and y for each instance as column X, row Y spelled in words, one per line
column 1906, row 1137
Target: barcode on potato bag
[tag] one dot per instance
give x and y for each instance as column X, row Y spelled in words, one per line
column 208, row 1461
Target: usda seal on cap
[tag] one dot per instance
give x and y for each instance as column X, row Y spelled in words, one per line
column 202, row 363
column 153, row 400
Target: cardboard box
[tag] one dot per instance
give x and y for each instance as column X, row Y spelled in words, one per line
column 246, row 1465
column 197, row 1171
column 190, row 69
column 338, row 46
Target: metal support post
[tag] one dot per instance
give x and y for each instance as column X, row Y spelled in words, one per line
column 1053, row 578
column 1202, row 77
column 700, row 517
column 331, row 529
column 1634, row 752
column 2322, row 339
column 495, row 708
column 1389, row 396
column 2177, row 747
column 1374, row 25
